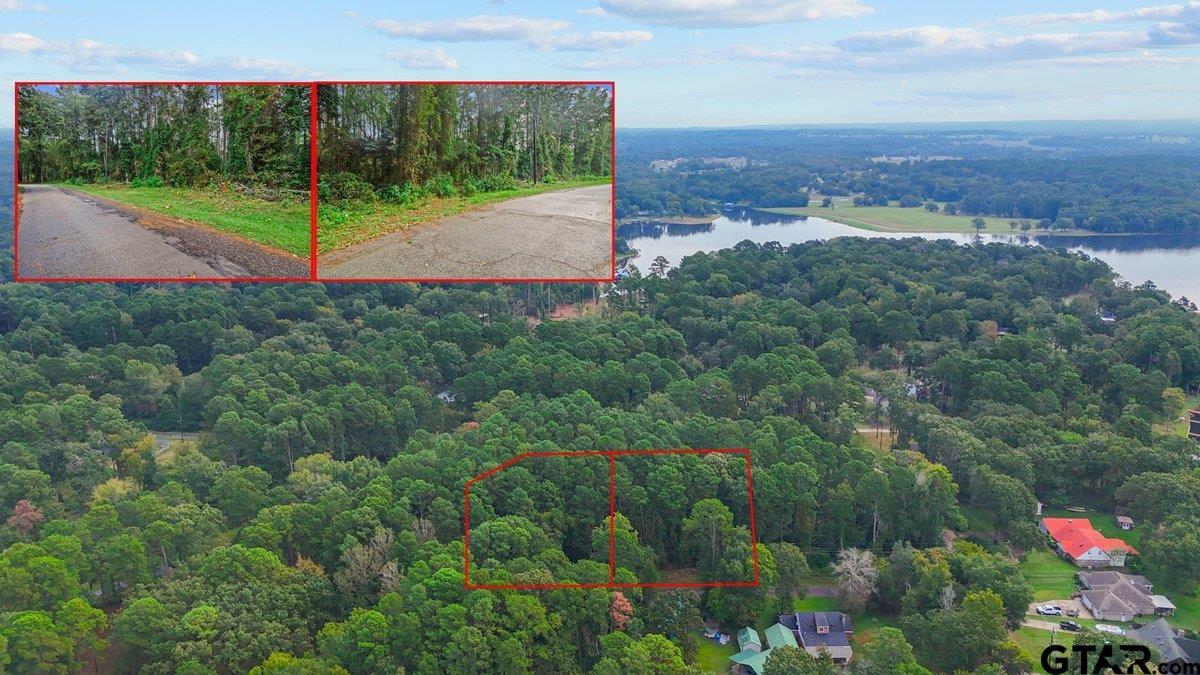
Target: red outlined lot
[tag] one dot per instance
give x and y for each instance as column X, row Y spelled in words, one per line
column 612, row 456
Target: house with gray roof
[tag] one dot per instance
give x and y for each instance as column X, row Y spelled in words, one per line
column 822, row 631
column 1169, row 646
column 1114, row 596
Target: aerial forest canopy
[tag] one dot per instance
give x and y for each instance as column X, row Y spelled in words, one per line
column 480, row 137
column 179, row 135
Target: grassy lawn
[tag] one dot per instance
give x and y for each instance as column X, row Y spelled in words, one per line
column 896, row 219
column 714, row 658
column 811, row 604
column 1032, row 641
column 1187, row 611
column 1051, row 577
column 344, row 225
column 1177, row 427
column 281, row 225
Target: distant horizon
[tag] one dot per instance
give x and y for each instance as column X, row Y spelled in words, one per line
column 916, row 125
column 676, row 63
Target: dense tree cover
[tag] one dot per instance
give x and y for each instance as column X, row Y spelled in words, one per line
column 183, row 135
column 448, row 138
column 6, row 206
column 315, row 519
column 1121, row 184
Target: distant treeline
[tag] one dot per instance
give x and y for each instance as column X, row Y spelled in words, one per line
column 1141, row 193
column 1114, row 185
column 484, row 136
column 180, row 135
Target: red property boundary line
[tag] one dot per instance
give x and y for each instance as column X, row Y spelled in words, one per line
column 612, row 456
column 314, row 172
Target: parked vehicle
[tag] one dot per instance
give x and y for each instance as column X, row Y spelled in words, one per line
column 1049, row 610
column 1072, row 612
column 1111, row 630
column 1069, row 626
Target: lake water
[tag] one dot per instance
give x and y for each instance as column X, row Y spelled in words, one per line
column 1171, row 261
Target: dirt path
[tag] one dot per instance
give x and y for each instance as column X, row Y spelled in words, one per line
column 1040, row 624
column 66, row 234
column 561, row 234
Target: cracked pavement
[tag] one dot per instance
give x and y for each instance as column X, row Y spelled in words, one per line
column 566, row 234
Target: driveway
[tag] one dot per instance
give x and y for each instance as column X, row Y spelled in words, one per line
column 565, row 234
column 69, row 234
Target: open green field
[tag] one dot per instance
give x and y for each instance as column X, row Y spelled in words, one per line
column 714, row 658
column 1033, row 640
column 1178, row 426
column 342, row 225
column 1187, row 611
column 895, row 219
column 1051, row 577
column 281, row 225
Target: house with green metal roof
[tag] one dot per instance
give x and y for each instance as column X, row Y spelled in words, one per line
column 752, row 657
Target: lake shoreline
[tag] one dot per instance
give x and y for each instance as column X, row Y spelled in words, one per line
column 805, row 212
column 1165, row 259
column 672, row 220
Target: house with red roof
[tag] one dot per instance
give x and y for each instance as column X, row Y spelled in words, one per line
column 1083, row 545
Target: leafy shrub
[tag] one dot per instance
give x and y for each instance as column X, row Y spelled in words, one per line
column 470, row 187
column 331, row 215
column 345, row 186
column 496, row 183
column 441, row 185
column 549, row 179
column 402, row 194
column 148, row 181
column 75, row 181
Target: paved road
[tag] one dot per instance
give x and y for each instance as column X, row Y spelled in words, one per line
column 561, row 234
column 70, row 234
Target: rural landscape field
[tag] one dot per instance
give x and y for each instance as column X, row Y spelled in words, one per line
column 899, row 371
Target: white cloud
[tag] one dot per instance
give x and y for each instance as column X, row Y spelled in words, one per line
column 477, row 28
column 623, row 63
column 594, row 12
column 734, row 13
column 929, row 48
column 350, row 14
column 92, row 56
column 423, row 59
column 21, row 6
column 1155, row 13
column 21, row 43
column 590, row 42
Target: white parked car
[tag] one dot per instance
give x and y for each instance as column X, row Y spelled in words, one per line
column 1049, row 610
column 1111, row 630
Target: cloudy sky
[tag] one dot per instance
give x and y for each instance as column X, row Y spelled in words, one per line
column 675, row 62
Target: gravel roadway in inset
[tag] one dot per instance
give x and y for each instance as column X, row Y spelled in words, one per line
column 566, row 234
column 68, row 234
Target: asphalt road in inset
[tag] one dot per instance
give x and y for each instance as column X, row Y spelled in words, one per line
column 67, row 234
column 553, row 235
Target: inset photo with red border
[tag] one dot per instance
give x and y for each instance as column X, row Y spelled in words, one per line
column 466, row 181
column 597, row 508
column 164, row 181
